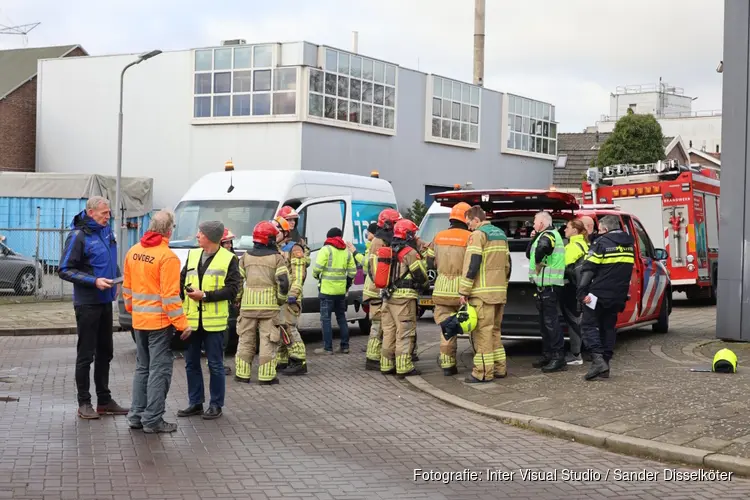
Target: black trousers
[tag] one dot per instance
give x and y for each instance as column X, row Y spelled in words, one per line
column 94, row 325
column 598, row 329
column 553, row 341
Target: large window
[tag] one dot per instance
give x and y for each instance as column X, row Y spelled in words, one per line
column 317, row 219
column 531, row 126
column 455, row 112
column 353, row 90
column 242, row 81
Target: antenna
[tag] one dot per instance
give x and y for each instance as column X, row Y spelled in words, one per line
column 18, row 29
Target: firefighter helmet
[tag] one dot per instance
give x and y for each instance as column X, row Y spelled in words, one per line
column 725, row 361
column 467, row 318
column 264, row 232
column 287, row 212
column 283, row 224
column 388, row 216
column 228, row 235
column 404, row 229
column 458, row 212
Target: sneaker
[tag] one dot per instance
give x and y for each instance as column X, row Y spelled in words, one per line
column 573, row 360
column 161, row 427
column 111, row 408
column 135, row 423
column 344, row 350
column 320, row 350
column 86, row 412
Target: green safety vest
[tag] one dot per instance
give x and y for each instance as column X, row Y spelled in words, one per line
column 553, row 273
column 332, row 267
column 214, row 316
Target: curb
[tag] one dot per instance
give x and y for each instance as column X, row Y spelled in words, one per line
column 613, row 442
column 57, row 330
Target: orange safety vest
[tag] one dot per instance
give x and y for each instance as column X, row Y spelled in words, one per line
column 151, row 285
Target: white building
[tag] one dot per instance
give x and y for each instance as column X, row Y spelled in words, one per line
column 701, row 130
column 288, row 106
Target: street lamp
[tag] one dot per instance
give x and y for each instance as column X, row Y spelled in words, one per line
column 118, row 211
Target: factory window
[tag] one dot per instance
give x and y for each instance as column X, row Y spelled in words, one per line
column 242, row 81
column 353, row 91
column 531, row 127
column 454, row 112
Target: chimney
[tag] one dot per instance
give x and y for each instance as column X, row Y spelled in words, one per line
column 479, row 42
column 355, row 42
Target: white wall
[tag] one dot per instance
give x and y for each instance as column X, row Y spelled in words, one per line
column 702, row 130
column 648, row 103
column 77, row 105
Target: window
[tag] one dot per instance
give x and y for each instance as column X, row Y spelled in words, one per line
column 531, row 127
column 455, row 112
column 644, row 242
column 241, row 81
column 352, row 89
column 317, row 219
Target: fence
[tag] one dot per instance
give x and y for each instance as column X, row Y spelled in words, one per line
column 31, row 244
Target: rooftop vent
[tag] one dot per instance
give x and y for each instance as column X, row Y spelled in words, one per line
column 236, row 41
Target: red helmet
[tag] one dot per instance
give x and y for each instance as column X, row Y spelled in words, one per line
column 388, row 216
column 228, row 235
column 264, row 232
column 287, row 212
column 404, row 229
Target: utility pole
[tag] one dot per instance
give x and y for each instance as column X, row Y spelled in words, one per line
column 479, row 42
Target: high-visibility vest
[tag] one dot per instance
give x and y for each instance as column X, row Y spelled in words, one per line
column 213, row 316
column 332, row 267
column 553, row 272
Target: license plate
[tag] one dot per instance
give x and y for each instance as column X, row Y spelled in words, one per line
column 426, row 302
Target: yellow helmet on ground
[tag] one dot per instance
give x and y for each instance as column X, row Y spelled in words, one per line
column 725, row 361
column 467, row 318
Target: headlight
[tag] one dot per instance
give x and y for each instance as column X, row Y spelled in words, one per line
column 690, row 258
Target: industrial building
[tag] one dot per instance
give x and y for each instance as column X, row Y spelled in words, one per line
column 288, row 106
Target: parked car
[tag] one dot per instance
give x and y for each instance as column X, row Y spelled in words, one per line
column 21, row 274
column 650, row 301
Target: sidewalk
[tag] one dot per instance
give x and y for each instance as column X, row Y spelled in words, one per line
column 652, row 404
column 40, row 318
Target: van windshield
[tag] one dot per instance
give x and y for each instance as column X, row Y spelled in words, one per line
column 431, row 225
column 239, row 216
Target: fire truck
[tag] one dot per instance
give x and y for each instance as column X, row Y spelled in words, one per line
column 677, row 202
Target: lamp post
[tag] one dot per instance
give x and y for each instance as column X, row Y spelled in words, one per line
column 118, row 210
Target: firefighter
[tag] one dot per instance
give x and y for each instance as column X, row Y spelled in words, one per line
column 447, row 257
column 291, row 216
column 292, row 360
column 605, row 274
column 483, row 285
column 371, row 295
column 266, row 287
column 399, row 314
column 234, row 306
column 546, row 254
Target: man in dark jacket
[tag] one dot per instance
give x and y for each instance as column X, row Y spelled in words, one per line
column 603, row 290
column 89, row 261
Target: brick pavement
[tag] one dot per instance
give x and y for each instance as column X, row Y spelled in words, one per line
column 339, row 432
column 43, row 317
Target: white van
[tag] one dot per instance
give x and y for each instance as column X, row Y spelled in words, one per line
column 241, row 199
column 434, row 221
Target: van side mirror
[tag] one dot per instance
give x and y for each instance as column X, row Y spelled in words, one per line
column 660, row 254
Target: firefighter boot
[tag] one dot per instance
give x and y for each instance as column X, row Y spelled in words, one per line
column 449, row 372
column 598, row 367
column 295, row 367
column 372, row 365
column 556, row 364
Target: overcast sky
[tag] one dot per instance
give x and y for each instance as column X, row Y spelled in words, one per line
column 571, row 53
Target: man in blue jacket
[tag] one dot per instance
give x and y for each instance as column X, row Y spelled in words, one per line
column 89, row 261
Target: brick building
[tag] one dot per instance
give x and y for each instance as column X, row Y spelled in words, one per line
column 18, row 103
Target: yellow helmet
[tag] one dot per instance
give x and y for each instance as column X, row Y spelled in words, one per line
column 467, row 318
column 725, row 361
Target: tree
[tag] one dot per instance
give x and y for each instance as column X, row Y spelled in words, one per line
column 636, row 139
column 417, row 212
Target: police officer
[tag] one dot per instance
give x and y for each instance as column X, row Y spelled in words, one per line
column 484, row 285
column 603, row 290
column 447, row 257
column 266, row 287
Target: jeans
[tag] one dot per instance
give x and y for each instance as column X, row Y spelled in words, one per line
column 153, row 375
column 335, row 304
column 94, row 324
column 212, row 343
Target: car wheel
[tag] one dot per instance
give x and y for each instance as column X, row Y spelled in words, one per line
column 26, row 281
column 662, row 324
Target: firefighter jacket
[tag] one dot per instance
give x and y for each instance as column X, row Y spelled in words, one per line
column 334, row 267
column 449, row 251
column 360, row 259
column 608, row 268
column 381, row 239
column 266, row 281
column 546, row 255
column 411, row 275
column 151, row 285
column 219, row 277
column 295, row 237
column 294, row 255
column 487, row 265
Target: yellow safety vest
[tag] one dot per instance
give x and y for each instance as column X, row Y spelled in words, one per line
column 215, row 315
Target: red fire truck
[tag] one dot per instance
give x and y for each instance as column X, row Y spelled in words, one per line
column 677, row 202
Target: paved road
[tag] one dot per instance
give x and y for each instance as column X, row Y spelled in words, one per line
column 339, row 432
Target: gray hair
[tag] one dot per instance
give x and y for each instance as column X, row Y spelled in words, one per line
column 162, row 222
column 610, row 223
column 94, row 202
column 544, row 217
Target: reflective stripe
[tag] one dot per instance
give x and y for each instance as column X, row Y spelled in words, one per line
column 147, row 309
column 553, row 272
column 213, row 316
column 127, row 291
column 147, row 296
column 175, row 313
